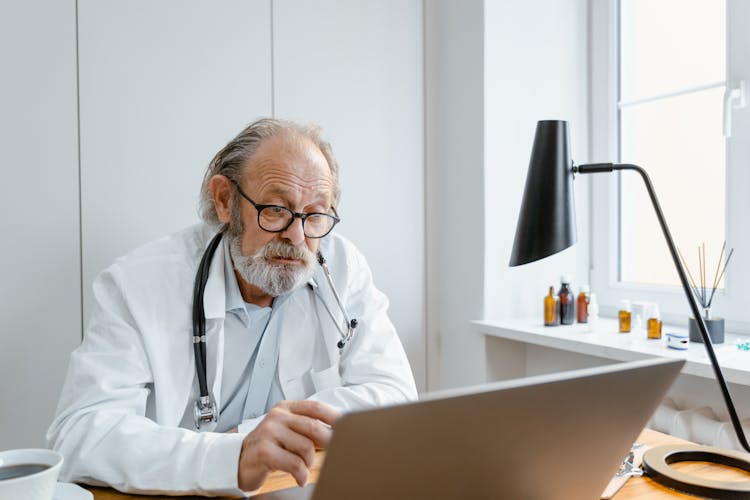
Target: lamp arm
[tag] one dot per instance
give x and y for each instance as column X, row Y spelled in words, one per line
column 609, row 167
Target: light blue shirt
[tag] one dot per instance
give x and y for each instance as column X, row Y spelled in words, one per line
column 249, row 383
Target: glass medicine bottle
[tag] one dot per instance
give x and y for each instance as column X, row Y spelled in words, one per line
column 582, row 306
column 567, row 302
column 624, row 316
column 654, row 322
column 550, row 308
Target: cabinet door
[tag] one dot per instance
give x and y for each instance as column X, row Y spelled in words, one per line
column 355, row 67
column 163, row 86
column 40, row 299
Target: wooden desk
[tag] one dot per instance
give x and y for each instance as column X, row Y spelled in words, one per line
column 275, row 481
column 641, row 488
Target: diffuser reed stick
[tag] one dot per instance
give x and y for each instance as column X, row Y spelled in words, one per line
column 704, row 294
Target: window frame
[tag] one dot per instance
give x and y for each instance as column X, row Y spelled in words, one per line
column 732, row 302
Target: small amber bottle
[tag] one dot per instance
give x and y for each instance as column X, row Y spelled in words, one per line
column 624, row 316
column 654, row 322
column 550, row 308
column 582, row 309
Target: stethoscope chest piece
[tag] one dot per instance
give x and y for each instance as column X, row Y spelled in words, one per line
column 204, row 411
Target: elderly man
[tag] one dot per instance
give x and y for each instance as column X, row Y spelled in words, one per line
column 280, row 360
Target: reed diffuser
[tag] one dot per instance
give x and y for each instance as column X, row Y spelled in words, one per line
column 704, row 294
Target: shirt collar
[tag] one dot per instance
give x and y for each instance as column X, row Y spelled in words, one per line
column 232, row 294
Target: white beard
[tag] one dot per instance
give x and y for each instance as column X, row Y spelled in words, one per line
column 273, row 279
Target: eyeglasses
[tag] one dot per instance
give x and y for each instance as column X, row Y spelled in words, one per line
column 276, row 219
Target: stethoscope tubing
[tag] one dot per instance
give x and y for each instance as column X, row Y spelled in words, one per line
column 351, row 324
column 199, row 316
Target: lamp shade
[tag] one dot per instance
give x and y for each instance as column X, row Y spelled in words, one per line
column 547, row 222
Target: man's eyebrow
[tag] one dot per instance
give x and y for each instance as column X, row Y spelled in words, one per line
column 279, row 190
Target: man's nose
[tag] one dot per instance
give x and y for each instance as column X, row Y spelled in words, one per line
column 295, row 233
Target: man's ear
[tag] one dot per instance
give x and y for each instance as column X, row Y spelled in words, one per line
column 221, row 193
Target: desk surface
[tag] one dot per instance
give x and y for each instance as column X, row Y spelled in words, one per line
column 644, row 488
column 641, row 488
column 275, row 481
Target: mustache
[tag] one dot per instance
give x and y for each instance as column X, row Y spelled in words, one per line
column 280, row 249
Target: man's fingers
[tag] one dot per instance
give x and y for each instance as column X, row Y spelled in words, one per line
column 297, row 443
column 277, row 458
column 317, row 432
column 313, row 409
column 286, row 440
column 311, row 428
column 259, row 457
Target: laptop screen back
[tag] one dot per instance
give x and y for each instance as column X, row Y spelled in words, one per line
column 558, row 436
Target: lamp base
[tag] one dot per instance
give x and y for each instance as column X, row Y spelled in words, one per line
column 715, row 328
column 657, row 460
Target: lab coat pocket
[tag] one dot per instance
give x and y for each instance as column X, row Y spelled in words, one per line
column 326, row 379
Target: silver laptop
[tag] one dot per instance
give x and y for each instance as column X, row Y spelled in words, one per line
column 559, row 436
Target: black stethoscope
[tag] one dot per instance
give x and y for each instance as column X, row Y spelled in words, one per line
column 205, row 410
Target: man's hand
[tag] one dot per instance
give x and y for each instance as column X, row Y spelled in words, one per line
column 285, row 440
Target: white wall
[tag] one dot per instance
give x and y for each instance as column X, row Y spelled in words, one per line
column 738, row 159
column 454, row 154
column 493, row 70
column 536, row 68
column 40, row 289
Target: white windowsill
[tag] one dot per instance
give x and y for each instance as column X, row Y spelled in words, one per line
column 606, row 342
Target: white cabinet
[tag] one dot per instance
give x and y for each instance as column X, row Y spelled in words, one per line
column 40, row 290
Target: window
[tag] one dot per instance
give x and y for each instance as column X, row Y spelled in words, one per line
column 662, row 76
column 671, row 87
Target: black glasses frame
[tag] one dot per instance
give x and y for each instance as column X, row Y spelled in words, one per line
column 295, row 215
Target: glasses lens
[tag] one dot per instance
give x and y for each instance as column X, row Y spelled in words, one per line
column 318, row 225
column 277, row 219
column 274, row 218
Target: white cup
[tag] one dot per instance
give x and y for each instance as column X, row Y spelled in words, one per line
column 36, row 486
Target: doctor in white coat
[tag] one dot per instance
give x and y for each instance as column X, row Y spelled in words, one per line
column 274, row 369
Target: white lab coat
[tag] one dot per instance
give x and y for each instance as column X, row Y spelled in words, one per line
column 132, row 379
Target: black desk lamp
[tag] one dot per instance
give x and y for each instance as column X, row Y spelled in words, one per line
column 546, row 225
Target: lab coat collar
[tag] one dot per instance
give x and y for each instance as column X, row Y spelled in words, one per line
column 214, row 298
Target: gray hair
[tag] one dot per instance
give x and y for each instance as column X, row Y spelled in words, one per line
column 233, row 157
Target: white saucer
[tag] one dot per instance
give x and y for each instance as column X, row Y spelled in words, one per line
column 70, row 491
